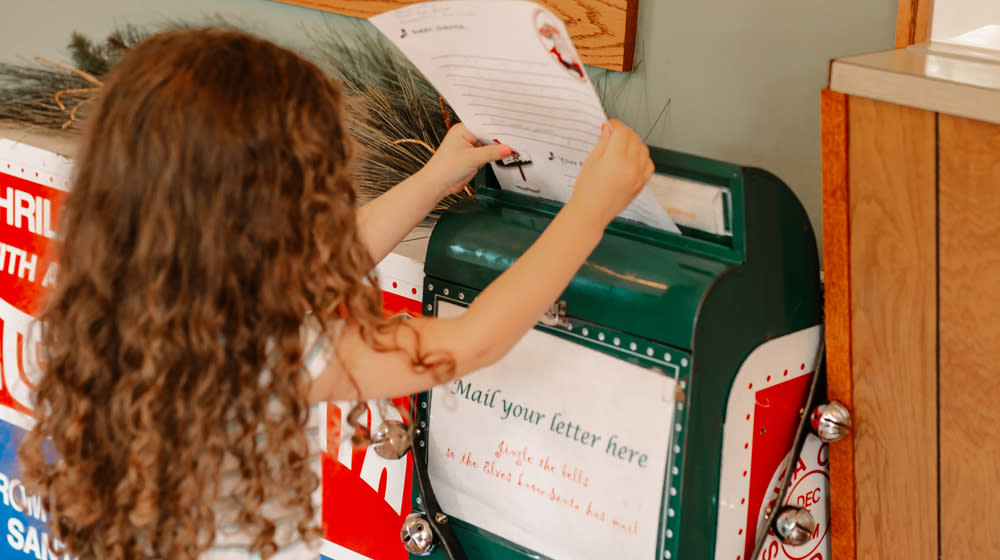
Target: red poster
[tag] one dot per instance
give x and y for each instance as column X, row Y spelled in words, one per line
column 365, row 497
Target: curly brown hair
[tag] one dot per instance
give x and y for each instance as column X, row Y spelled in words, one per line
column 212, row 213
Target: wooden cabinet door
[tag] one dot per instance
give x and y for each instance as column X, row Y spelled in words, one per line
column 969, row 335
column 893, row 307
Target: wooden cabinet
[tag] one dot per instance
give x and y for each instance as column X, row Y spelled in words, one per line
column 912, row 266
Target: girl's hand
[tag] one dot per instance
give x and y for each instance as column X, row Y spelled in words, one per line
column 458, row 158
column 612, row 175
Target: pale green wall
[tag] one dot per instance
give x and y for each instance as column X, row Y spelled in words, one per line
column 742, row 76
column 43, row 27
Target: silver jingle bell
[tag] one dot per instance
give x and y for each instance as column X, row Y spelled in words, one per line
column 391, row 440
column 831, row 421
column 794, row 525
column 417, row 535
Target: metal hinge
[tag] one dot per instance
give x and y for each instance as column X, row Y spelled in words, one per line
column 556, row 315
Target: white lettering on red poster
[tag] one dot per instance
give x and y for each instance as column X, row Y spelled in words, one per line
column 33, row 184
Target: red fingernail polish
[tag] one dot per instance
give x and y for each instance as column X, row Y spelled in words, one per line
column 505, row 151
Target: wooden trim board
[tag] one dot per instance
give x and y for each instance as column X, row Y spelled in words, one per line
column 837, row 305
column 913, row 22
column 603, row 31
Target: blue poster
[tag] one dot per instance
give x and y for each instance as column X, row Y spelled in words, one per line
column 25, row 524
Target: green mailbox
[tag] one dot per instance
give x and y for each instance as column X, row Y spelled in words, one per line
column 651, row 411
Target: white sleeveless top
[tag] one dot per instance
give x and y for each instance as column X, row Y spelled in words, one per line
column 233, row 542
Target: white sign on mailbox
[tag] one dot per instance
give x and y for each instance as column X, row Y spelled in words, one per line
column 557, row 447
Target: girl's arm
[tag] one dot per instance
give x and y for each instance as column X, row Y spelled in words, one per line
column 383, row 222
column 611, row 177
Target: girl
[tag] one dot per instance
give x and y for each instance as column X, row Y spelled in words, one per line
column 215, row 280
